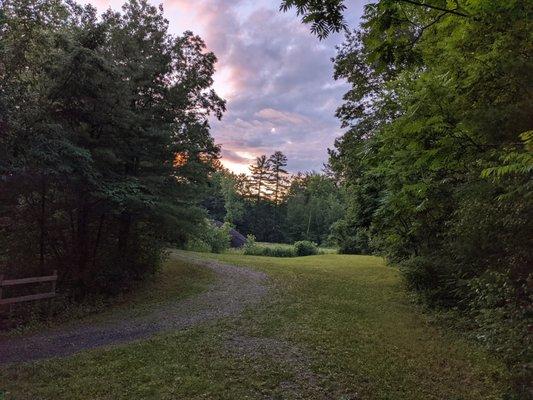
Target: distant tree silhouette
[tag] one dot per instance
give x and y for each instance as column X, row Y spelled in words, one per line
column 260, row 172
column 278, row 175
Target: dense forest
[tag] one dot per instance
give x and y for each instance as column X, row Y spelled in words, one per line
column 106, row 155
column 104, row 144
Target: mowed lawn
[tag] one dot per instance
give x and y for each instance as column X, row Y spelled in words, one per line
column 349, row 315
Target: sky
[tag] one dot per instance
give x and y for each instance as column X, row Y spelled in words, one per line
column 276, row 77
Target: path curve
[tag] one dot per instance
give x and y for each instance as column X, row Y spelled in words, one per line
column 234, row 289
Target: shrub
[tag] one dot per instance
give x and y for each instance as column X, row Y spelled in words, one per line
column 251, row 248
column 430, row 279
column 278, row 251
column 219, row 238
column 210, row 238
column 349, row 240
column 197, row 244
column 305, row 248
column 250, row 245
column 270, row 251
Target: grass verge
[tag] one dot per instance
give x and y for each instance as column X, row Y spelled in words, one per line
column 175, row 281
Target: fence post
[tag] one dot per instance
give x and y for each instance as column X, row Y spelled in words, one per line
column 54, row 282
column 53, row 291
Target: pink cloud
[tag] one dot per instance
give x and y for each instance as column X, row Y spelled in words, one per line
column 282, row 116
column 276, row 76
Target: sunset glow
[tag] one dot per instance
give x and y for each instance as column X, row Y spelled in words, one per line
column 266, row 61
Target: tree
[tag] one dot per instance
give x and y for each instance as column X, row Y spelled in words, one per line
column 278, row 175
column 314, row 204
column 105, row 137
column 327, row 16
column 434, row 157
column 260, row 172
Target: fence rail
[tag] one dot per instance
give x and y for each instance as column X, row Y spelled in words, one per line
column 25, row 281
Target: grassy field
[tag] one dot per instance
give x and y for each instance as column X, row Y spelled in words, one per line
column 348, row 315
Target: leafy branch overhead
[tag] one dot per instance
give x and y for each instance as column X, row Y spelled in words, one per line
column 327, row 16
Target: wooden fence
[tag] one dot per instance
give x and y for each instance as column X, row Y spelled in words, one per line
column 38, row 296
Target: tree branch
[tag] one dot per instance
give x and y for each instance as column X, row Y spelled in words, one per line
column 446, row 10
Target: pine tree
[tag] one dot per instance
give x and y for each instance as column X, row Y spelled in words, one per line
column 260, row 172
column 278, row 175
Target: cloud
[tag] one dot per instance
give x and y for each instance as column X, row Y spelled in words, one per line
column 282, row 117
column 278, row 81
column 275, row 75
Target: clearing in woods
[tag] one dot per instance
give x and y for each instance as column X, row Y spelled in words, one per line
column 318, row 327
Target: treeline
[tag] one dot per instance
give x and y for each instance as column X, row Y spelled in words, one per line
column 275, row 206
column 437, row 155
column 104, row 140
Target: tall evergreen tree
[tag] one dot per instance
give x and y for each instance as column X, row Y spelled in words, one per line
column 278, row 175
column 259, row 174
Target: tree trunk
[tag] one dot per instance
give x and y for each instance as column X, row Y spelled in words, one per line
column 81, row 239
column 123, row 234
column 98, row 237
column 42, row 223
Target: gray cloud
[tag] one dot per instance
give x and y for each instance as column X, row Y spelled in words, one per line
column 276, row 76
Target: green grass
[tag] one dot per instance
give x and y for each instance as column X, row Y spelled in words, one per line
column 324, row 250
column 285, row 249
column 350, row 314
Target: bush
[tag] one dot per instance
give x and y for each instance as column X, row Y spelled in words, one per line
column 198, row 245
column 270, row 251
column 305, row 248
column 433, row 280
column 278, row 251
column 251, row 248
column 349, row 240
column 219, row 238
column 210, row 238
column 250, row 245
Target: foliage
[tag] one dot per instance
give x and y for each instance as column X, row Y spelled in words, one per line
column 298, row 249
column 250, row 244
column 252, row 248
column 259, row 176
column 305, row 248
column 436, row 157
column 301, row 207
column 105, row 146
column 209, row 238
column 314, row 204
column 278, row 176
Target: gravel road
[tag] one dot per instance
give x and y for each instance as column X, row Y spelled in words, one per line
column 234, row 289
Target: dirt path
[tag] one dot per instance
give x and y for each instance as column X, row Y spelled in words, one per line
column 234, row 289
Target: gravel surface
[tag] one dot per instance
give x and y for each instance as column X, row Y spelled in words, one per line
column 234, row 289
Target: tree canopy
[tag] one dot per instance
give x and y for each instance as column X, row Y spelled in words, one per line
column 105, row 144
